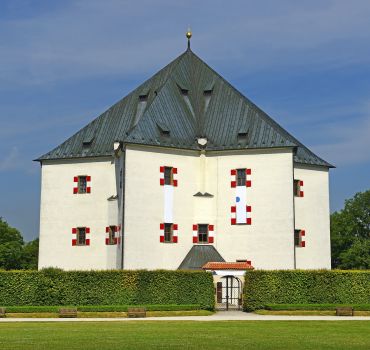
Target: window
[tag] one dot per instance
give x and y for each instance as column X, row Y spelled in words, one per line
column 203, row 233
column 81, row 236
column 241, row 177
column 111, row 235
column 168, row 233
column 82, row 184
column 298, row 238
column 296, row 188
column 168, row 175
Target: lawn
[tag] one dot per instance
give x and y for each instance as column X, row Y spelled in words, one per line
column 102, row 314
column 186, row 335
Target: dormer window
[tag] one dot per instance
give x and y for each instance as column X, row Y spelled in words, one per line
column 142, row 102
column 164, row 130
column 143, row 98
column 185, row 95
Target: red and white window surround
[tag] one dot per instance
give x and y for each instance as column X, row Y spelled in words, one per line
column 168, row 233
column 237, row 180
column 298, row 188
column 240, row 211
column 203, row 233
column 112, row 235
column 298, row 238
column 168, row 176
column 82, row 184
column 79, row 234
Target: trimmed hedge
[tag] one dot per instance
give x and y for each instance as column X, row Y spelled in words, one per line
column 115, row 287
column 315, row 307
column 100, row 308
column 305, row 287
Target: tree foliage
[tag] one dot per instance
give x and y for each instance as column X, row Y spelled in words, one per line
column 14, row 253
column 350, row 233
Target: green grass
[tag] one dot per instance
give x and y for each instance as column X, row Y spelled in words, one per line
column 99, row 308
column 334, row 335
column 306, row 312
column 358, row 307
column 102, row 314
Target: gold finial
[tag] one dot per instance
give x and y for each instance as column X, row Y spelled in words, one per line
column 189, row 35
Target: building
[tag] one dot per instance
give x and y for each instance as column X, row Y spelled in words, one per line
column 184, row 171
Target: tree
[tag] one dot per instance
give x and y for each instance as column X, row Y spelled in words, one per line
column 30, row 255
column 11, row 243
column 14, row 253
column 350, row 233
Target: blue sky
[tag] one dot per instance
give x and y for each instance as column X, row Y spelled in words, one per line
column 62, row 63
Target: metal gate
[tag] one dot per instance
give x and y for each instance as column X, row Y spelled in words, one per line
column 229, row 293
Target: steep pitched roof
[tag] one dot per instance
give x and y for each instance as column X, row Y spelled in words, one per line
column 199, row 255
column 182, row 102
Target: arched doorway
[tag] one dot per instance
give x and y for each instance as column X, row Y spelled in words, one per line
column 229, row 293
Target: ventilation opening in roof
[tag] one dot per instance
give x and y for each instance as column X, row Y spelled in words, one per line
column 207, row 99
column 143, row 100
column 185, row 95
column 86, row 143
column 243, row 136
column 163, row 130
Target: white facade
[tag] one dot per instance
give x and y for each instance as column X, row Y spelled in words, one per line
column 267, row 241
column 62, row 210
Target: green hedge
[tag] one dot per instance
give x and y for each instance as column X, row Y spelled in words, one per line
column 116, row 287
column 100, row 308
column 314, row 307
column 305, row 287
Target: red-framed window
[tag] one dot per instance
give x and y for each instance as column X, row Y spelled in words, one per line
column 168, row 233
column 203, row 233
column 298, row 238
column 82, row 184
column 240, row 177
column 298, row 188
column 111, row 237
column 80, row 238
column 168, row 176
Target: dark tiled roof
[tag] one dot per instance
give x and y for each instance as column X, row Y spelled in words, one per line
column 182, row 102
column 198, row 256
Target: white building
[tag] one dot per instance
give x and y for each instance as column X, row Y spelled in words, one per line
column 183, row 171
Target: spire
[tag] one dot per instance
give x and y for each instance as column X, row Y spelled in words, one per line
column 189, row 35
